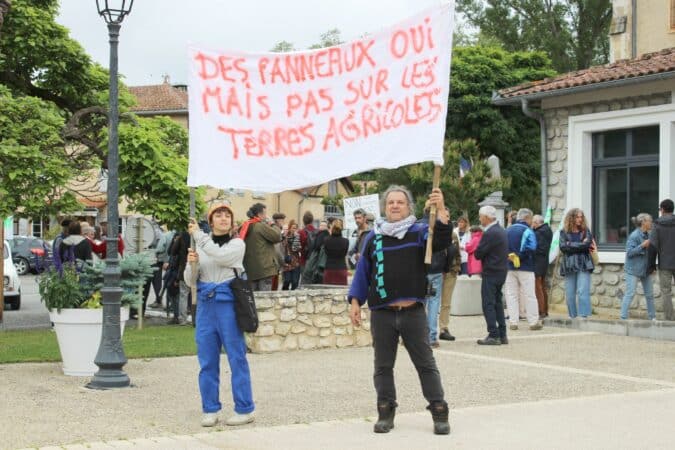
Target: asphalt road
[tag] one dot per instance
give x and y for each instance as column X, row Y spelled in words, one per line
column 32, row 314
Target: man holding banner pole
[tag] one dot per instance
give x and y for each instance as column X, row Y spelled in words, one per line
column 391, row 277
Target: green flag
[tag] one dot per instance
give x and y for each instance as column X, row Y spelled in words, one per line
column 8, row 225
column 549, row 213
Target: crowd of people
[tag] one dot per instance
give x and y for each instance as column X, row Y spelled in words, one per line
column 409, row 300
column 279, row 255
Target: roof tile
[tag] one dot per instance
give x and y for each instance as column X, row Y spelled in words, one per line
column 159, row 97
column 647, row 64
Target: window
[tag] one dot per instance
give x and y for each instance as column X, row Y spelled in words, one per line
column 332, row 188
column 625, row 182
column 37, row 228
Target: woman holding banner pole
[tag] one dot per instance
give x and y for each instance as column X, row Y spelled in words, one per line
column 218, row 256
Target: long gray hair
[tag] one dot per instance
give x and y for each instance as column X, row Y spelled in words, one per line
column 397, row 188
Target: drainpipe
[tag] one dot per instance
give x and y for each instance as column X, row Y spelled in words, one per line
column 536, row 115
column 633, row 29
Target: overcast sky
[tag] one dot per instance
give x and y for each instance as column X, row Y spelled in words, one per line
column 154, row 37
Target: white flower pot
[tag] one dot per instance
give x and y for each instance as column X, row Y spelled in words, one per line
column 78, row 332
column 466, row 298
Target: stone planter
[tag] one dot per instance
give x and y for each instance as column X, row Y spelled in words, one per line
column 78, row 332
column 466, row 298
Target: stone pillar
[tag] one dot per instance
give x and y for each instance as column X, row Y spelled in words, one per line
column 495, row 199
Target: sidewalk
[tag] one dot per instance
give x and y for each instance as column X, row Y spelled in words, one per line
column 512, row 426
column 553, row 388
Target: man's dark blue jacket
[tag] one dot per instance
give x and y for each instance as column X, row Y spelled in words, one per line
column 493, row 251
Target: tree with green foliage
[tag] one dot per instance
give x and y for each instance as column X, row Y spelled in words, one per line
column 39, row 59
column 153, row 155
column 282, row 47
column 4, row 9
column 329, row 39
column 477, row 72
column 573, row 33
column 462, row 194
column 33, row 158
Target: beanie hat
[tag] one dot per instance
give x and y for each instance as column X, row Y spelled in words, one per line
column 215, row 207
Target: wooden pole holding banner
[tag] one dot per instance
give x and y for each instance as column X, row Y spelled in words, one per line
column 432, row 216
column 193, row 264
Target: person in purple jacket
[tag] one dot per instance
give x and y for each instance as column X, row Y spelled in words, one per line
column 391, row 277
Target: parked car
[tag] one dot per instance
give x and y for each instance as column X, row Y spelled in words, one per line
column 11, row 281
column 30, row 254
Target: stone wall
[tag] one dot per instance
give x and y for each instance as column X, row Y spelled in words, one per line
column 607, row 282
column 306, row 319
column 607, row 288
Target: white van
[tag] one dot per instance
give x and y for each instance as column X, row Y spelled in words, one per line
column 11, row 282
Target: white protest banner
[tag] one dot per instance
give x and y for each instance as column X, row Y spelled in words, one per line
column 369, row 203
column 277, row 121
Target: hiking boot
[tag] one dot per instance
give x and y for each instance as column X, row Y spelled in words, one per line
column 536, row 326
column 209, row 419
column 489, row 341
column 445, row 335
column 240, row 419
column 385, row 418
column 156, row 305
column 504, row 340
column 439, row 412
column 513, row 327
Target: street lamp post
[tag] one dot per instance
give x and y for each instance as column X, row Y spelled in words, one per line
column 110, row 357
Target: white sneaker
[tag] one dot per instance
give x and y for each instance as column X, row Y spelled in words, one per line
column 209, row 419
column 240, row 419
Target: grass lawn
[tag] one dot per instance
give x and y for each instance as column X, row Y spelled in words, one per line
column 151, row 342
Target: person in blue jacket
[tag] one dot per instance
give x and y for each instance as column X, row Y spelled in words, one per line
column 519, row 284
column 636, row 266
column 218, row 255
column 391, row 277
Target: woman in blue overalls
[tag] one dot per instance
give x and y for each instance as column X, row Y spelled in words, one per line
column 217, row 255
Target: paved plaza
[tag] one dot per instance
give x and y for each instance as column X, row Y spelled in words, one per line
column 555, row 388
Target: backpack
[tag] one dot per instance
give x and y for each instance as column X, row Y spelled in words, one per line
column 316, row 263
column 68, row 257
column 311, row 241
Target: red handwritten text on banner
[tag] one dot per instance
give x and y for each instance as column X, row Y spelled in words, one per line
column 280, row 121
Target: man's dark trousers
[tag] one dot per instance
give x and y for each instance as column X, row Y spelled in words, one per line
column 493, row 305
column 386, row 325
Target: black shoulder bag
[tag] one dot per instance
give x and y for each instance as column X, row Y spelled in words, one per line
column 244, row 304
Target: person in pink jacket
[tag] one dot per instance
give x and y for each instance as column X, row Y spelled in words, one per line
column 474, row 266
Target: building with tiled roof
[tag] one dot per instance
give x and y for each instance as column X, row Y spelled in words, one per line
column 654, row 66
column 608, row 140
column 160, row 98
